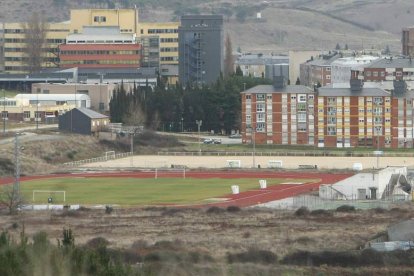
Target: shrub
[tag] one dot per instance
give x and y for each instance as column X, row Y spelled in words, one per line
column 233, row 209
column 302, row 212
column 215, row 210
column 321, row 213
column 253, row 256
column 379, row 210
column 170, row 212
column 346, row 209
column 108, row 209
column 97, row 242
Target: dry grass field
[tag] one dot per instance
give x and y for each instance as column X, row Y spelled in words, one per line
column 218, row 233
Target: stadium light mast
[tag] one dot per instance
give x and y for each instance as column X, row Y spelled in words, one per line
column 4, row 112
column 199, row 123
column 16, row 185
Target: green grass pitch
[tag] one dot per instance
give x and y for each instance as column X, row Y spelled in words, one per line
column 138, row 191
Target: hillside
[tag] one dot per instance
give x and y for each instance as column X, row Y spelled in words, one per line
column 285, row 24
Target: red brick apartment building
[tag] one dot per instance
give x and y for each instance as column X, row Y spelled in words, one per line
column 317, row 70
column 386, row 69
column 329, row 117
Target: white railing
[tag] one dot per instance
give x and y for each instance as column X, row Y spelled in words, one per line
column 284, row 153
column 98, row 159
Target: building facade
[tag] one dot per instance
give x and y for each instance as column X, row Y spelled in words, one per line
column 200, row 48
column 13, row 42
column 386, row 69
column 407, row 41
column 330, row 117
column 100, row 47
column 255, row 64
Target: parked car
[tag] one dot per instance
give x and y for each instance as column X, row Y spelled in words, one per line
column 235, row 136
column 208, row 141
column 216, row 141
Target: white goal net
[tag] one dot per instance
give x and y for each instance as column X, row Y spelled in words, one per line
column 48, row 196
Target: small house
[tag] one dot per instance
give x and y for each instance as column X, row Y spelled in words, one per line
column 83, row 121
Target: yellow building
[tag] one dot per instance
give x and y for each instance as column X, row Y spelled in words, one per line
column 14, row 45
column 168, row 34
column 126, row 19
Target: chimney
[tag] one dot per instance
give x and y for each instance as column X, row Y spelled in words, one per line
column 356, row 85
column 279, row 82
column 400, row 88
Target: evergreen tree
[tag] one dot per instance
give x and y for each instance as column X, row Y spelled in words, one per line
column 297, row 81
column 239, row 71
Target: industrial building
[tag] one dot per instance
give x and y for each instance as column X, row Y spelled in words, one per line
column 83, row 121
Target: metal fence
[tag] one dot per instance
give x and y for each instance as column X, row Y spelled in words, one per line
column 284, row 153
column 98, row 159
column 314, row 202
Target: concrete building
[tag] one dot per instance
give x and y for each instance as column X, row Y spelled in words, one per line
column 255, row 64
column 40, row 108
column 100, row 47
column 200, row 48
column 407, row 41
column 341, row 67
column 12, row 38
column 83, row 121
column 99, row 94
column 388, row 184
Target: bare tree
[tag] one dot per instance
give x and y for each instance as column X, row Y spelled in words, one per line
column 10, row 198
column 228, row 58
column 135, row 114
column 35, row 39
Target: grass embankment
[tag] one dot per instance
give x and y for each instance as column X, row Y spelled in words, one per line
column 139, row 191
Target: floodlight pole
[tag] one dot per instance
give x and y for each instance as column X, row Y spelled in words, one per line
column 132, row 148
column 37, row 111
column 199, row 123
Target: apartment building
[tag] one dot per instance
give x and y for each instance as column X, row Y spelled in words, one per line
column 317, row 70
column 352, row 116
column 386, row 69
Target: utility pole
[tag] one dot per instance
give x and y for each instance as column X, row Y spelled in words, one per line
column 182, row 124
column 16, row 186
column 132, row 148
column 37, row 111
column 4, row 112
column 254, row 148
column 199, row 123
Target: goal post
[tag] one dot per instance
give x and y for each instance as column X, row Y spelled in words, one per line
column 181, row 173
column 109, row 155
column 50, row 192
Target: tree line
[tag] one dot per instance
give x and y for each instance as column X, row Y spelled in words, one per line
column 177, row 107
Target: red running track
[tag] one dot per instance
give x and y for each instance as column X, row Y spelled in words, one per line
column 243, row 199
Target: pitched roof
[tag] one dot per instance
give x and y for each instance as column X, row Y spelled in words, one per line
column 91, row 114
column 392, row 63
column 329, row 91
column 301, row 89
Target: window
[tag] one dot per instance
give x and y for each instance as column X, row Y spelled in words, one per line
column 260, row 127
column 99, row 19
column 301, row 117
column 260, row 97
column 26, row 114
column 331, row 110
column 368, row 73
column 331, row 130
column 375, row 74
column 331, row 100
column 382, row 74
column 302, row 98
column 5, row 115
column 248, row 97
column 331, row 120
column 260, row 117
column 260, row 107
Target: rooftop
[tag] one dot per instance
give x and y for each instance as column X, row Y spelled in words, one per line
column 91, row 114
column 365, row 91
column 392, row 63
column 301, row 89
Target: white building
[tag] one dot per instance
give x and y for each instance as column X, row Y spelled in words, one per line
column 387, row 183
column 341, row 68
column 79, row 100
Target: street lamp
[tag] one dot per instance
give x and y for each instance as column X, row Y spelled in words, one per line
column 254, row 146
column 182, row 124
column 199, row 123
